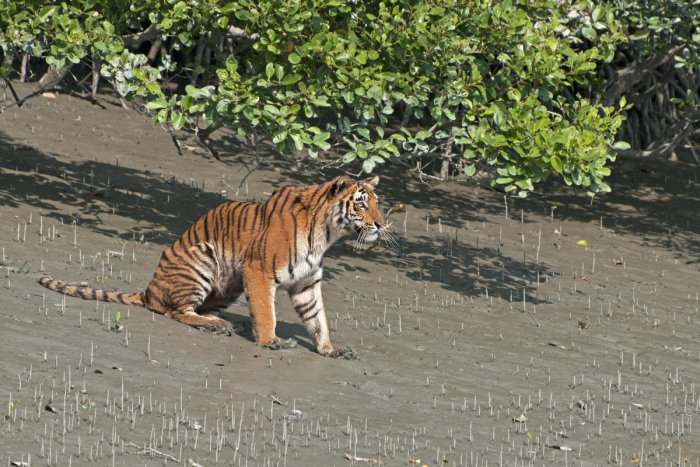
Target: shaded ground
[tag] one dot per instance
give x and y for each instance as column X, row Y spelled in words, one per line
column 485, row 340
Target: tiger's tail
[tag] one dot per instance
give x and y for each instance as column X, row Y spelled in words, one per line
column 82, row 290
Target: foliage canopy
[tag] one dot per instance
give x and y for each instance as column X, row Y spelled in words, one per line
column 496, row 84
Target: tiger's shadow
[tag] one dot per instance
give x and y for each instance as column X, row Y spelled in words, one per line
column 243, row 327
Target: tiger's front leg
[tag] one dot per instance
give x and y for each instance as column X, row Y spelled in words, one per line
column 260, row 292
column 308, row 303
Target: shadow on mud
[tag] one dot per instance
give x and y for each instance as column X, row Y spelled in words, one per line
column 161, row 207
column 284, row 329
column 662, row 205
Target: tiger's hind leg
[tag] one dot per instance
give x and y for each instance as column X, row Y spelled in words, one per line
column 205, row 320
column 190, row 305
column 183, row 288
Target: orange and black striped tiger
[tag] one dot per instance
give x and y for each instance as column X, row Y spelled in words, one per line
column 255, row 248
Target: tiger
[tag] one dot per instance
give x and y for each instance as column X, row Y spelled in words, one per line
column 255, row 248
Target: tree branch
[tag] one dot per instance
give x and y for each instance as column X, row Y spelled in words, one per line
column 238, row 33
column 626, row 78
column 668, row 141
column 135, row 40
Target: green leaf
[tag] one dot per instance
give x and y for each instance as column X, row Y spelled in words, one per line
column 513, row 94
column 557, row 164
column 269, row 70
column 621, row 145
column 186, row 102
column 156, row 104
column 290, row 79
column 195, row 92
column 294, row 58
column 154, row 88
column 470, row 170
column 496, row 141
column 449, row 113
column 589, row 33
column 178, row 119
column 298, row 142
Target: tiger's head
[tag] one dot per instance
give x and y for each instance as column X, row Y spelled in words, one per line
column 356, row 208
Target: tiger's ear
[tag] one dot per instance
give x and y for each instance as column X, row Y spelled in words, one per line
column 339, row 184
column 373, row 181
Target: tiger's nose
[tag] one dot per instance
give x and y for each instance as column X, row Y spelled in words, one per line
column 378, row 226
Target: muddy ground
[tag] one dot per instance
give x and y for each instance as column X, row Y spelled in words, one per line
column 491, row 337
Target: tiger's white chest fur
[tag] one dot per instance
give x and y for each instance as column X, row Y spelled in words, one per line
column 303, row 270
column 306, row 267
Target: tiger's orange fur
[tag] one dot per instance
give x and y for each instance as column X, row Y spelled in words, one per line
column 254, row 248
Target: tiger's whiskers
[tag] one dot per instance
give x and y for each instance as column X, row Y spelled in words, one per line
column 360, row 241
column 388, row 237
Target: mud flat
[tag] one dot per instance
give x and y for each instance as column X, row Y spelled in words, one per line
column 558, row 332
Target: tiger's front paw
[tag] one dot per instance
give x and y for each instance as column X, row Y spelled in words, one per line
column 280, row 344
column 346, row 352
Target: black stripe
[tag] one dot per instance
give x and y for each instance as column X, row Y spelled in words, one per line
column 226, row 217
column 205, row 222
column 188, row 257
column 86, row 294
column 200, row 254
column 312, row 227
column 304, row 289
column 274, row 269
column 296, row 252
column 245, row 218
column 290, row 265
column 188, row 235
column 275, row 201
column 288, row 195
column 238, row 220
column 313, row 193
column 185, row 292
column 260, row 245
column 309, row 238
column 309, row 318
column 255, row 217
column 230, row 218
column 205, row 281
column 324, row 192
column 151, row 296
column 215, row 215
column 306, row 307
column 184, row 255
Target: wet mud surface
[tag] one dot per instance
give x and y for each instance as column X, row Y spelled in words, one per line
column 561, row 331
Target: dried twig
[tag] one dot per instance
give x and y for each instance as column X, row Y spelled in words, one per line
column 350, row 457
column 151, row 451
